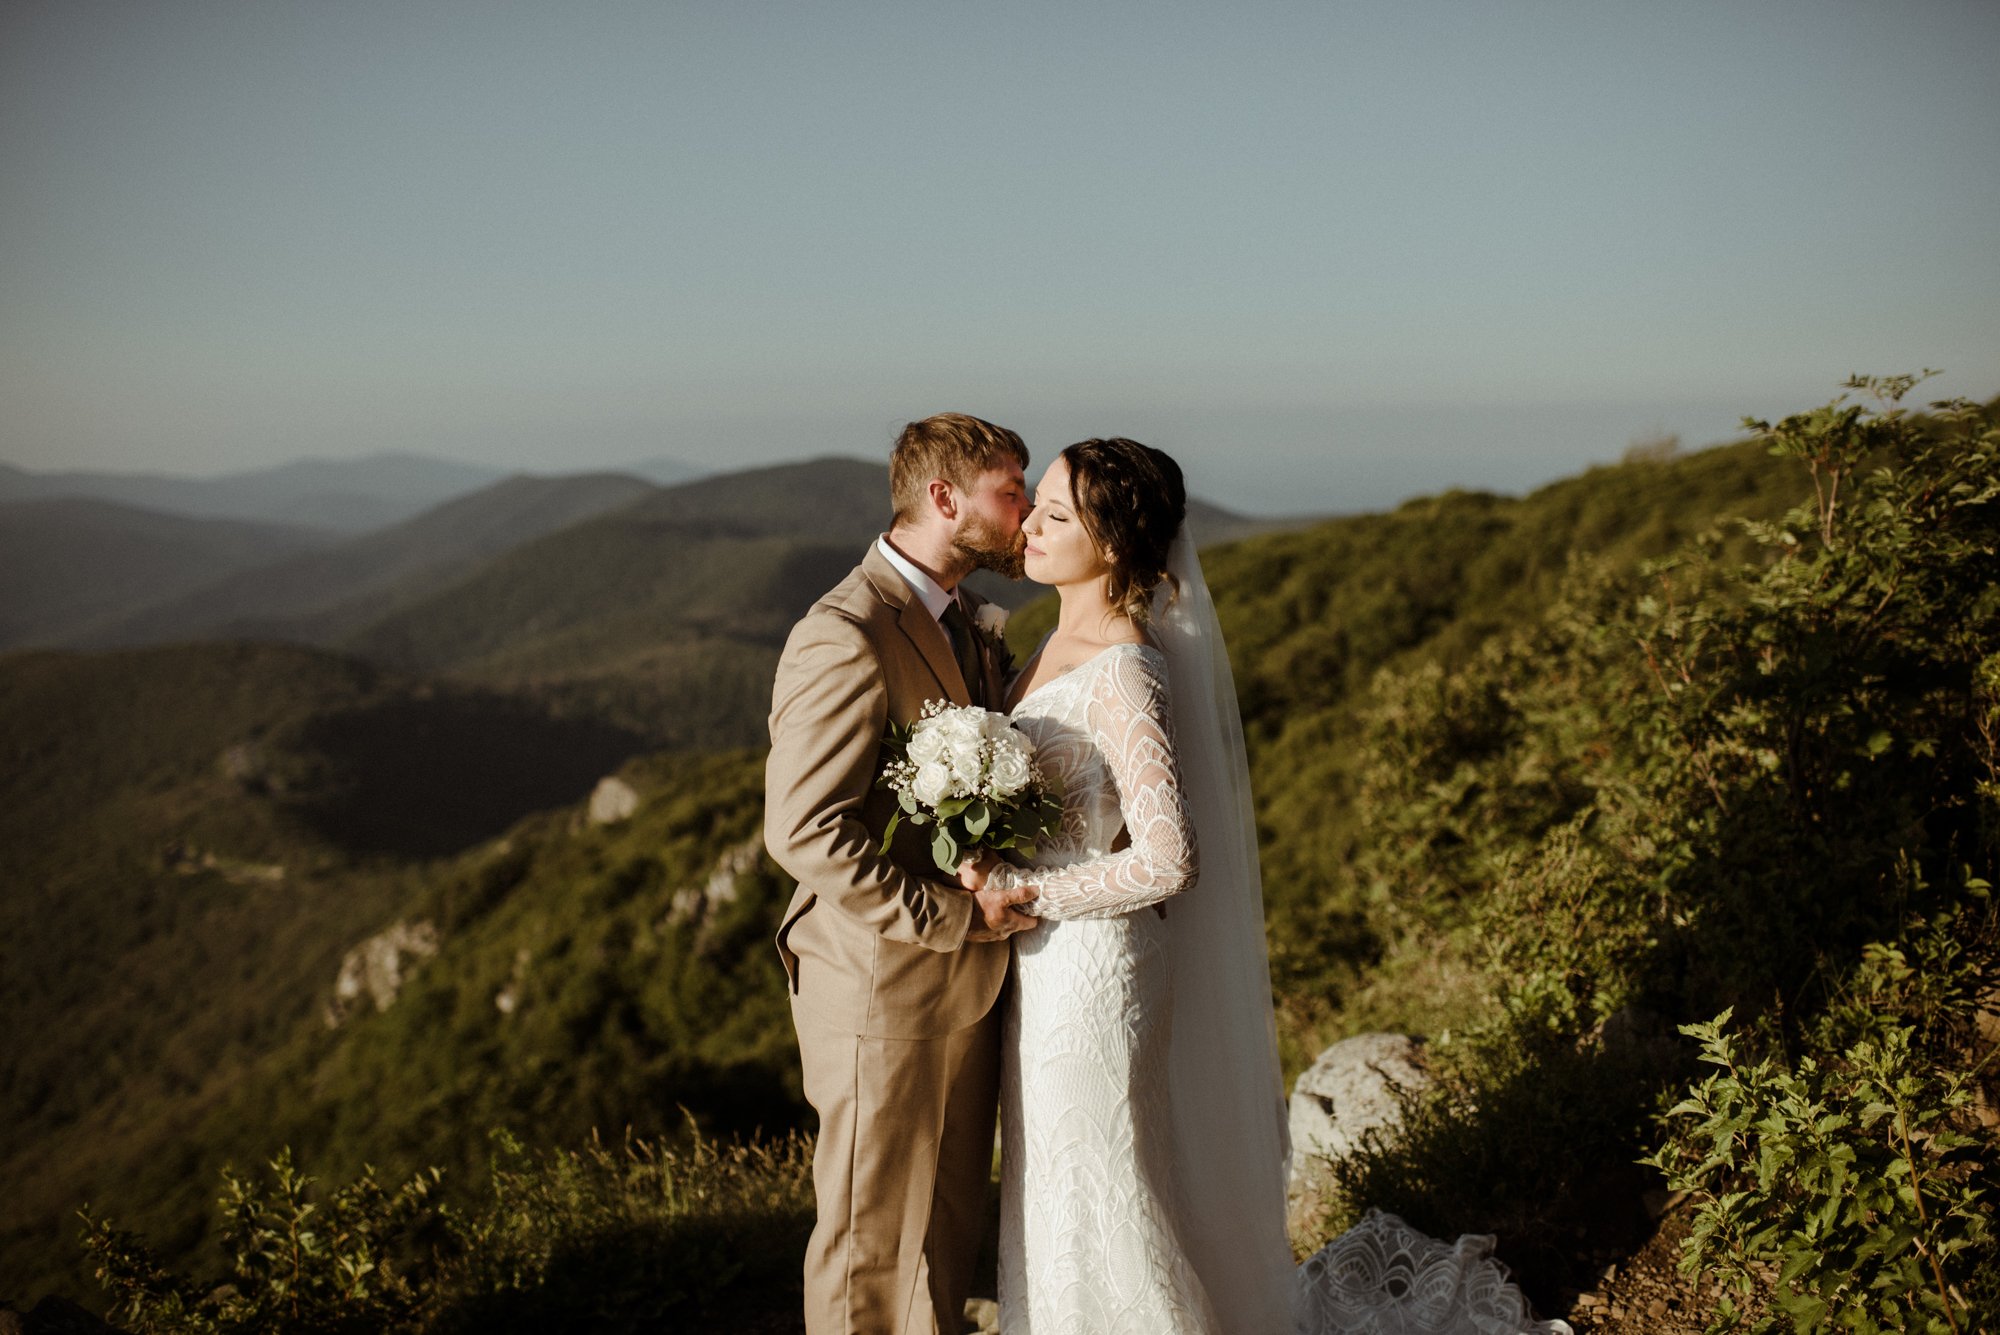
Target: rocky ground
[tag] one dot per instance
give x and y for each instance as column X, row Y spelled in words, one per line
column 1646, row 1294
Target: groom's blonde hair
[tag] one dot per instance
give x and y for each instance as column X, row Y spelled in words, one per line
column 957, row 447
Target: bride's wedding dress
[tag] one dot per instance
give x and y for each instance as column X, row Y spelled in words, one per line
column 1142, row 1170
column 1089, row 1204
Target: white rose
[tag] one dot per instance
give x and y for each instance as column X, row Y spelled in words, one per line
column 932, row 784
column 967, row 764
column 1010, row 771
column 961, row 728
column 926, row 745
column 997, row 727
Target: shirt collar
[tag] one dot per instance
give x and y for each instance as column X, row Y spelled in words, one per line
column 934, row 598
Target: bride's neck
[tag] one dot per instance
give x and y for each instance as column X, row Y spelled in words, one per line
column 1086, row 612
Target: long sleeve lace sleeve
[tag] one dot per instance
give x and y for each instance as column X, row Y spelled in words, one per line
column 1131, row 723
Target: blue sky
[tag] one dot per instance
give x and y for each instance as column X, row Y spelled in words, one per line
column 1329, row 254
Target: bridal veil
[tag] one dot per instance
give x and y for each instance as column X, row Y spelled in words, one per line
column 1231, row 1145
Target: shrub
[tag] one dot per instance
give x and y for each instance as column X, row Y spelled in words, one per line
column 596, row 1239
column 1713, row 785
column 1840, row 1192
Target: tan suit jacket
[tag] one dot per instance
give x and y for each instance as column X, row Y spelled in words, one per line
column 873, row 945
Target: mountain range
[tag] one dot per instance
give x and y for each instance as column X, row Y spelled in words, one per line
column 194, row 838
column 344, row 495
column 659, row 608
column 68, row 564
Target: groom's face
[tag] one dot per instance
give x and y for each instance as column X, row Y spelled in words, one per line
column 989, row 520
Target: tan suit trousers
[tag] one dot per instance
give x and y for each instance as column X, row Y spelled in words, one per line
column 901, row 1166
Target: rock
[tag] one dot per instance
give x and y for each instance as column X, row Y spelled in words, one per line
column 508, row 997
column 1351, row 1090
column 377, row 968
column 982, row 1315
column 612, row 800
column 699, row 901
column 1656, row 1308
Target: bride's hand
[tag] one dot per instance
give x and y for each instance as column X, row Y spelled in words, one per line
column 999, row 910
column 972, row 872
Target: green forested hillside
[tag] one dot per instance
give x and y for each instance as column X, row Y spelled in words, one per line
column 614, row 976
column 190, row 839
column 1312, row 616
column 1540, row 778
column 665, row 615
column 1695, row 867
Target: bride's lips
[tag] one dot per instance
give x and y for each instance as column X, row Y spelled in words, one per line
column 1031, row 550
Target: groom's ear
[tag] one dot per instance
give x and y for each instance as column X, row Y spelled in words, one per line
column 943, row 497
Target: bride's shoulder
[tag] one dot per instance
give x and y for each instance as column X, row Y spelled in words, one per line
column 1133, row 663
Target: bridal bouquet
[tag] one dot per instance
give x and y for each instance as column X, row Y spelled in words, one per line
column 969, row 772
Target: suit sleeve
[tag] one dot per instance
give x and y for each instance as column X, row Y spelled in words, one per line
column 829, row 709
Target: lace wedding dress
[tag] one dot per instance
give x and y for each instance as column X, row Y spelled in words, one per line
column 1097, row 1233
column 1088, row 1199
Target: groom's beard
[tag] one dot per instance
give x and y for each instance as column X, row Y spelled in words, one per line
column 987, row 548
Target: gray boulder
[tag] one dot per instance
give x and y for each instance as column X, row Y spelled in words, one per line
column 613, row 800
column 376, row 969
column 1351, row 1090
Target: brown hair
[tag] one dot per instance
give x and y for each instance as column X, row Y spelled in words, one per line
column 1132, row 500
column 954, row 446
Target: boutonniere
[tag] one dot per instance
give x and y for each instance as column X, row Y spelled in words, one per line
column 991, row 623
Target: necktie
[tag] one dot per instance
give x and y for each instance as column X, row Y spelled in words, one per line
column 966, row 644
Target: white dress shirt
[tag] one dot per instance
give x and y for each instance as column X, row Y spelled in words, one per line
column 934, row 598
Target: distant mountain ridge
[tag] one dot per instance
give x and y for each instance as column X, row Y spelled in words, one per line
column 350, row 495
column 669, row 611
column 322, row 596
column 68, row 564
column 600, row 588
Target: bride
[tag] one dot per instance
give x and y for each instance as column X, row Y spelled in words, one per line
column 1143, row 1127
column 1142, row 1133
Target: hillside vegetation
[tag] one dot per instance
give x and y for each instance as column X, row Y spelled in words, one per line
column 1542, row 779
column 190, row 839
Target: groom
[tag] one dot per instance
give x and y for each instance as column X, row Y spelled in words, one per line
column 894, row 971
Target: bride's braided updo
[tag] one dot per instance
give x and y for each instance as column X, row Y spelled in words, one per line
column 1131, row 500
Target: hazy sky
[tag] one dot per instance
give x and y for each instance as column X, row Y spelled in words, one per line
column 1331, row 254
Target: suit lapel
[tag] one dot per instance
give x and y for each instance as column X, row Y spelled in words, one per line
column 922, row 630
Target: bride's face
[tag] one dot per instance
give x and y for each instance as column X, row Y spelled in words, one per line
column 1059, row 551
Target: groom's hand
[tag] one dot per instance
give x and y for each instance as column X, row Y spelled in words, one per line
column 999, row 914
